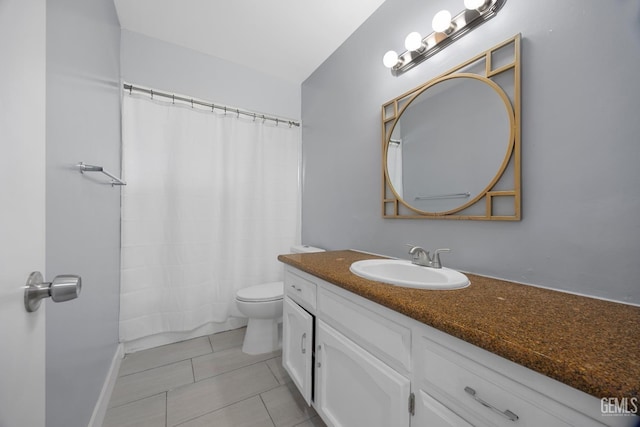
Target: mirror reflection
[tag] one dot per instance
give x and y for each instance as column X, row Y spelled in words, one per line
column 434, row 166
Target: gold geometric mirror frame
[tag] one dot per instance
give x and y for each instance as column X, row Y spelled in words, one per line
column 500, row 199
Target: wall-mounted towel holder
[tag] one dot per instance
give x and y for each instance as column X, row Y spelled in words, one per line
column 444, row 196
column 91, row 168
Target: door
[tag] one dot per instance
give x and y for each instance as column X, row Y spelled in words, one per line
column 297, row 346
column 22, row 209
column 354, row 388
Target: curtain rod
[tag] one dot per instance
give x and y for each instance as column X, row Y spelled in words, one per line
column 192, row 101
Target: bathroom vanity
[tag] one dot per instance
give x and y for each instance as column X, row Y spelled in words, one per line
column 493, row 354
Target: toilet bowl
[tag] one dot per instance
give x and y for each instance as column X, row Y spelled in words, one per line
column 262, row 304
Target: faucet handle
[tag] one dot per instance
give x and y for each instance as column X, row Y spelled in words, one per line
column 436, row 257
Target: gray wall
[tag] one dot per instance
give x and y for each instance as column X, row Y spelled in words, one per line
column 83, row 214
column 580, row 229
column 153, row 63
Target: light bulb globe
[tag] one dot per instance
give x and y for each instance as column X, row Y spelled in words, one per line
column 390, row 59
column 475, row 4
column 413, row 41
column 441, row 21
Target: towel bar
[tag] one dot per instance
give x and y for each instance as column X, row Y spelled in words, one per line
column 91, row 168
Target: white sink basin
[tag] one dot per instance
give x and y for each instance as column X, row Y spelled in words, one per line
column 404, row 273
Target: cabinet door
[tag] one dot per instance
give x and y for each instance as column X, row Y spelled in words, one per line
column 297, row 346
column 354, row 388
column 431, row 413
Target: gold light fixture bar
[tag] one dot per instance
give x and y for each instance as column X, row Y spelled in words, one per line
column 475, row 13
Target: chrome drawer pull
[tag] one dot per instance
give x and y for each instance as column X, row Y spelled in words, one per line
column 507, row 414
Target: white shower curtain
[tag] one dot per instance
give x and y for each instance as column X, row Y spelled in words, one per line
column 211, row 200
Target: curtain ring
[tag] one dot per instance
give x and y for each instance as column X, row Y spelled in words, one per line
column 130, row 89
column 191, row 102
column 263, row 119
column 173, row 98
column 151, row 93
column 277, row 120
column 225, row 110
column 238, row 113
column 254, row 117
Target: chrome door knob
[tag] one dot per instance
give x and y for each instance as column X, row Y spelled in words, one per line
column 63, row 288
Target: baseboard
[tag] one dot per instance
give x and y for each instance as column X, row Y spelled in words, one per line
column 100, row 410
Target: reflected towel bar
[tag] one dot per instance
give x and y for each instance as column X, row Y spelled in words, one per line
column 444, row 196
column 91, row 168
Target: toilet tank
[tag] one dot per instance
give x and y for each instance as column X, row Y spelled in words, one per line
column 301, row 249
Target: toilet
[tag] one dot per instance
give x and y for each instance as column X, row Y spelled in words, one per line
column 262, row 304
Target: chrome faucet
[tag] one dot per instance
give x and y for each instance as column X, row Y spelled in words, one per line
column 423, row 258
column 419, row 256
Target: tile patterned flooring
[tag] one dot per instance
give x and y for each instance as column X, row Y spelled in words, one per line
column 203, row 382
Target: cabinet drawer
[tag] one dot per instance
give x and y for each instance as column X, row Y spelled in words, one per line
column 386, row 339
column 300, row 290
column 484, row 396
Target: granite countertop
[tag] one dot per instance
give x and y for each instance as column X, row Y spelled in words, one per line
column 586, row 343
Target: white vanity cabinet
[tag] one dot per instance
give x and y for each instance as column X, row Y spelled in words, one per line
column 353, row 387
column 297, row 346
column 371, row 366
column 363, row 363
column 360, row 371
column 298, row 331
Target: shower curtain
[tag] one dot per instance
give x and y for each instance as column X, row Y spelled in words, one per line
column 211, row 200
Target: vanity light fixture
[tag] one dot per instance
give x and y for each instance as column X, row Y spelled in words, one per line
column 476, row 4
column 442, row 22
column 446, row 30
column 390, row 59
column 413, row 42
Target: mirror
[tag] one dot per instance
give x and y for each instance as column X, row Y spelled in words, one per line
column 451, row 146
column 426, row 155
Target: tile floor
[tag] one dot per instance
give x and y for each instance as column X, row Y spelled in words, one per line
column 206, row 381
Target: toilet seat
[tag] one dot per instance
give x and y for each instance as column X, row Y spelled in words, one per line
column 261, row 293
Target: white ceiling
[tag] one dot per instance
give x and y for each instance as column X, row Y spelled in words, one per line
column 285, row 38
